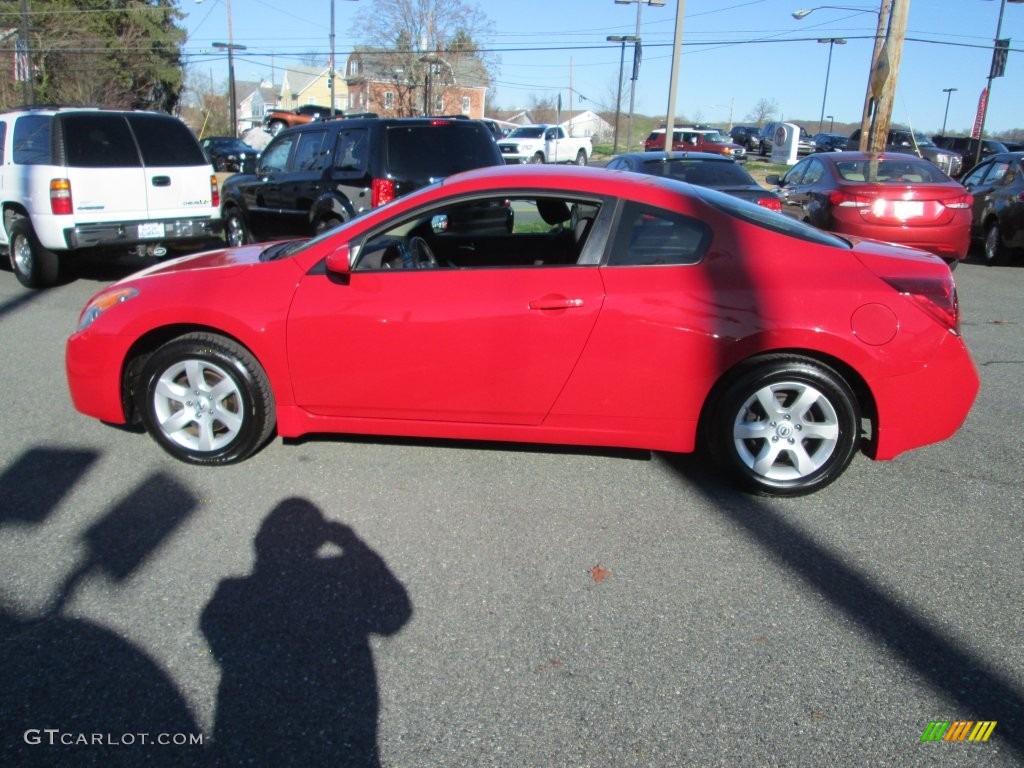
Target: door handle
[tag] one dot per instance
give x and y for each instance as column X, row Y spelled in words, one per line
column 161, row 181
column 556, row 302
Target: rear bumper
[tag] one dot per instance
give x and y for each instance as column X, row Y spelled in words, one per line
column 950, row 241
column 134, row 232
column 908, row 417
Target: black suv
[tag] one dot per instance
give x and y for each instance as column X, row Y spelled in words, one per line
column 747, row 136
column 314, row 177
column 968, row 148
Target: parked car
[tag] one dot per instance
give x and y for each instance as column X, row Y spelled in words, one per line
column 228, row 154
column 315, row 176
column 915, row 143
column 277, row 120
column 829, row 142
column 621, row 310
column 694, row 139
column 998, row 212
column 747, row 136
column 1013, row 146
column 967, row 148
column 76, row 179
column 805, row 145
column 897, row 198
column 702, row 168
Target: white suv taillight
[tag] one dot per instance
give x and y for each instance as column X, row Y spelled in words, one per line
column 60, row 197
column 214, row 192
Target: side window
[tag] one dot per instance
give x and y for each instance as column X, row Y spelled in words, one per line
column 480, row 233
column 275, row 158
column 652, row 236
column 350, row 150
column 999, row 169
column 32, row 140
column 3, row 141
column 814, row 172
column 975, row 176
column 309, row 155
column 795, row 174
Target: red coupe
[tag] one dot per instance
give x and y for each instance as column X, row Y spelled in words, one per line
column 896, row 197
column 545, row 305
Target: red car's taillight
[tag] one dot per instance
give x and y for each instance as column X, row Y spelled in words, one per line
column 381, row 191
column 214, row 192
column 60, row 197
column 771, row 203
column 935, row 295
column 962, row 201
column 841, row 199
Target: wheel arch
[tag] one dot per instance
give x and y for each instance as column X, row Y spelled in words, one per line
column 333, row 206
column 143, row 348
column 853, row 378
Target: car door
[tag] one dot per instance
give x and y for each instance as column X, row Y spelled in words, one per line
column 492, row 343
column 976, row 184
column 261, row 194
column 303, row 183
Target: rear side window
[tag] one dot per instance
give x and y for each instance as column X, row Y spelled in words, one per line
column 653, row 236
column 431, row 151
column 98, row 141
column 166, row 141
column 310, row 155
column 32, row 140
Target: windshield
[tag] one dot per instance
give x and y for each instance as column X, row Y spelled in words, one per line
column 527, row 132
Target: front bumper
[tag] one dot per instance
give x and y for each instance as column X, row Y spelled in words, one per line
column 134, row 232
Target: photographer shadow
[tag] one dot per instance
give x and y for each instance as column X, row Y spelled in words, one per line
column 298, row 685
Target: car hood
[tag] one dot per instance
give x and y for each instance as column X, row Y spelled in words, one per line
column 223, row 258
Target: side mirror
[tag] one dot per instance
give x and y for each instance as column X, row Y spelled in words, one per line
column 338, row 260
column 772, row 178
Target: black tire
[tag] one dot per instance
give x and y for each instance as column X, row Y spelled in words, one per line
column 275, row 127
column 581, row 157
column 994, row 250
column 33, row 265
column 784, row 426
column 206, row 400
column 537, row 158
column 235, row 231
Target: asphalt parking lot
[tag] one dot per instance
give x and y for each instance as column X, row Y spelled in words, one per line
column 339, row 601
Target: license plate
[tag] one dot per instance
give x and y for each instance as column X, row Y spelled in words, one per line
column 907, row 209
column 151, row 229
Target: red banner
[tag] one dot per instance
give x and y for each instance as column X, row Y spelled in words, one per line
column 980, row 117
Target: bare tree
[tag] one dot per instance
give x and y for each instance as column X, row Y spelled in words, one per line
column 422, row 44
column 763, row 110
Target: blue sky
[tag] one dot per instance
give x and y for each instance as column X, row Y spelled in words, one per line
column 735, row 52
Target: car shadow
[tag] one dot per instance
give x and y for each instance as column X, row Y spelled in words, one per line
column 977, row 689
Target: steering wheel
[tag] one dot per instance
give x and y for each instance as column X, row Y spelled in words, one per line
column 422, row 255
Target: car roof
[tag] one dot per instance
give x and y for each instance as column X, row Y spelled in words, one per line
column 662, row 155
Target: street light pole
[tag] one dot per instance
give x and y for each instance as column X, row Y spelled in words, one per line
column 622, row 39
column 832, row 41
column 230, row 46
column 637, row 51
column 948, row 92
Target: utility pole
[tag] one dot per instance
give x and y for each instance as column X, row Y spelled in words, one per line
column 876, row 77
column 885, row 70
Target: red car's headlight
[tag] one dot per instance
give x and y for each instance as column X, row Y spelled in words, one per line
column 102, row 303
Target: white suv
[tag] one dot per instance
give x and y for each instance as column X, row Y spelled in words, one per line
column 77, row 178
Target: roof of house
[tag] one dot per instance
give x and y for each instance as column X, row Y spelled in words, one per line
column 377, row 66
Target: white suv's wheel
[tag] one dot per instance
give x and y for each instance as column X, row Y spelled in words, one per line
column 33, row 265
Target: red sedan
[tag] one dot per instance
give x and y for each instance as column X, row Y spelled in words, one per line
column 545, row 305
column 897, row 198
